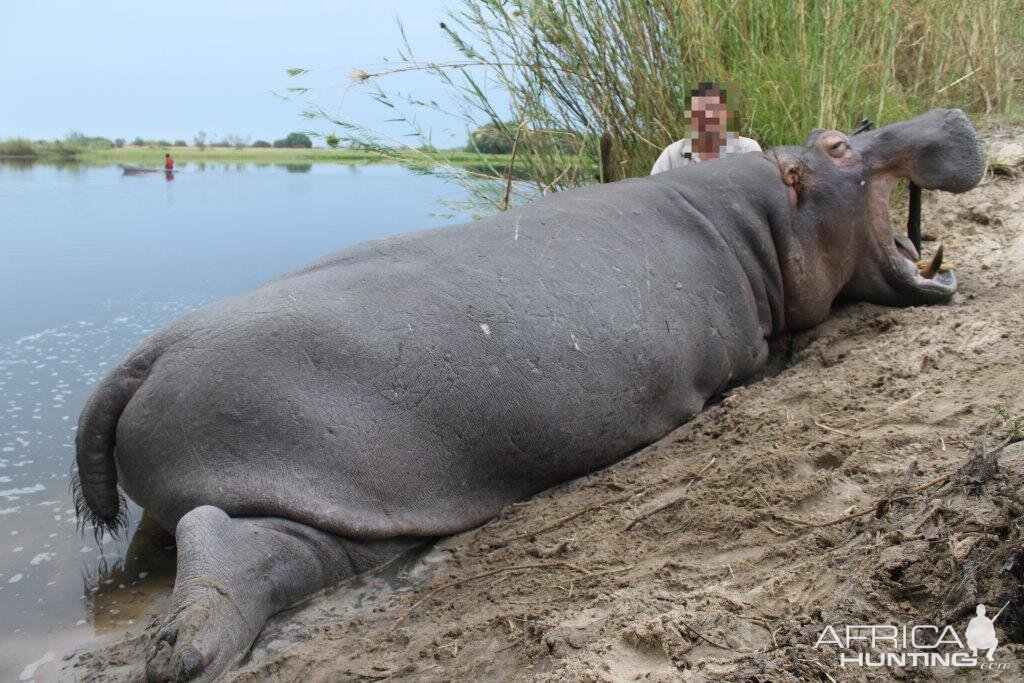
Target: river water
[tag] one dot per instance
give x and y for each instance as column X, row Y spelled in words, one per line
column 91, row 262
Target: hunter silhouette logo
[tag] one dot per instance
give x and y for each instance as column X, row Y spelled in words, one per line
column 885, row 645
column 981, row 633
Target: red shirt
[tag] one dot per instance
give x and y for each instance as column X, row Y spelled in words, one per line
column 168, row 164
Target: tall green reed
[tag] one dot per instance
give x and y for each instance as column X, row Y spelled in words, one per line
column 596, row 88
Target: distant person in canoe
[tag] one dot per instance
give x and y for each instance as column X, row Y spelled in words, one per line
column 168, row 162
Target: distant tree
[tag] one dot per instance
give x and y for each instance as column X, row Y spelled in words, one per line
column 332, row 140
column 180, row 143
column 236, row 141
column 161, row 143
column 138, row 142
column 491, row 139
column 294, row 140
column 199, row 139
column 75, row 139
column 261, row 143
column 19, row 147
column 119, row 143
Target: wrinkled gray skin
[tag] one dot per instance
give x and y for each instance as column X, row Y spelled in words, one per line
column 411, row 387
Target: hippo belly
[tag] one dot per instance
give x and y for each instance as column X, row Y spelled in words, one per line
column 415, row 385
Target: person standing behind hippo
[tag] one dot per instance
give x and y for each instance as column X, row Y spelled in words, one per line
column 709, row 135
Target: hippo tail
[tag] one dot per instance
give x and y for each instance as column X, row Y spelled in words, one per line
column 98, row 503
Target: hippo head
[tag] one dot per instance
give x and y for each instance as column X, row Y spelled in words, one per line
column 841, row 241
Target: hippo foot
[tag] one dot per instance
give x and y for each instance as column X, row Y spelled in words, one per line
column 235, row 573
column 216, row 612
column 205, row 635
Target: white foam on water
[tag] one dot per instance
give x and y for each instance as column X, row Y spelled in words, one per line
column 42, row 557
column 14, row 494
column 29, row 672
column 16, row 578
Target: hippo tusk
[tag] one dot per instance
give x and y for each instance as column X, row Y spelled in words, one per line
column 928, row 269
column 904, row 244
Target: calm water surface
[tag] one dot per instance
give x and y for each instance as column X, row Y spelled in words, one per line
column 91, row 262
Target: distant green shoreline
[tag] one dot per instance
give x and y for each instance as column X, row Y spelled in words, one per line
column 154, row 156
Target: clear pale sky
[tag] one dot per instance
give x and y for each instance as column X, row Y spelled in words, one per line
column 166, row 70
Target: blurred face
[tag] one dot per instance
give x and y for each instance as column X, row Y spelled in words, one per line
column 709, row 114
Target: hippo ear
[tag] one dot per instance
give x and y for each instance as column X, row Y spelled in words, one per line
column 792, row 174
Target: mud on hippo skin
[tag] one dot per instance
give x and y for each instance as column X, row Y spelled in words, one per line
column 411, row 387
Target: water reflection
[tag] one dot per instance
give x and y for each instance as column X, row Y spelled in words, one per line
column 98, row 260
column 45, row 378
column 122, row 592
column 18, row 163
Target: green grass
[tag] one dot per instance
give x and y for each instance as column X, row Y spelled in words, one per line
column 21, row 148
column 154, row 156
column 606, row 83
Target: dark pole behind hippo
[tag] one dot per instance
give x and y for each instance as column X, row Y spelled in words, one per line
column 411, row 387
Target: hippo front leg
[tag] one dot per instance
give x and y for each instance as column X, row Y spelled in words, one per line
column 235, row 573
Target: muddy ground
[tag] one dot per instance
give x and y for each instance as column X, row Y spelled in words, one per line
column 722, row 550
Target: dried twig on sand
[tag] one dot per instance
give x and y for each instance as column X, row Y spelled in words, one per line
column 681, row 498
column 882, row 504
column 943, row 478
column 822, row 425
column 482, row 575
column 661, row 508
column 703, row 637
column 562, row 520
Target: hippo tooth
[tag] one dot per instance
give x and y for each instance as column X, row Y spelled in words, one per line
column 928, row 269
column 903, row 242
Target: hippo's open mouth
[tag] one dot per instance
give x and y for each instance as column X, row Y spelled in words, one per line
column 939, row 150
column 924, row 281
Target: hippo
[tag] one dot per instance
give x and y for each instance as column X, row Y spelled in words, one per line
column 411, row 387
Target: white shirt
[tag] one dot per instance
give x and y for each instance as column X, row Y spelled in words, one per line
column 679, row 153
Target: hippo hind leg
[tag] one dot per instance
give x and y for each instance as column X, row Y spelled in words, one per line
column 235, row 573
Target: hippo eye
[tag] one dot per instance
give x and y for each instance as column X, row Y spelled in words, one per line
column 838, row 149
